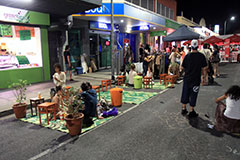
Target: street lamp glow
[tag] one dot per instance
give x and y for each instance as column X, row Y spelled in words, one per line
column 232, row 18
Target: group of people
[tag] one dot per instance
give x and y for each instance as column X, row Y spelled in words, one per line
column 89, row 95
column 196, row 64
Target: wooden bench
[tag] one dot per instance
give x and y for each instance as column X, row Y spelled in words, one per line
column 121, row 80
column 106, row 83
column 97, row 89
column 34, row 102
column 46, row 108
column 147, row 82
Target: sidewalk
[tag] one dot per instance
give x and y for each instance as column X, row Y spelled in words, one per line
column 7, row 98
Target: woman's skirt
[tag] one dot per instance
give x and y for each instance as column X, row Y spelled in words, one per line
column 224, row 123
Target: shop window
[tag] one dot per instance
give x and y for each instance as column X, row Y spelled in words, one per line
column 171, row 14
column 144, row 3
column 163, row 11
column 159, row 8
column 167, row 12
column 151, row 5
column 20, row 47
column 136, row 2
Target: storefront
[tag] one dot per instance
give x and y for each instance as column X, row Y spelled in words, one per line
column 135, row 27
column 24, row 52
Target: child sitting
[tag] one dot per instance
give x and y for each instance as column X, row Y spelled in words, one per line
column 131, row 75
column 228, row 116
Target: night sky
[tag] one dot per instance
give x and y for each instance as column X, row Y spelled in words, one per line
column 214, row 12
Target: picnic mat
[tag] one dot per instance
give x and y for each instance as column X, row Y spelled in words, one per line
column 131, row 97
column 60, row 125
column 156, row 86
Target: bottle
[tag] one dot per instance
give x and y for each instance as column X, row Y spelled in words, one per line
column 39, row 95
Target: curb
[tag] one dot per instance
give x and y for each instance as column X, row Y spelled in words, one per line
column 10, row 111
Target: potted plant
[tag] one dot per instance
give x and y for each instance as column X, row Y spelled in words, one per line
column 71, row 104
column 19, row 91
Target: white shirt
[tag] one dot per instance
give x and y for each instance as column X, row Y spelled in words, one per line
column 232, row 108
column 207, row 53
column 61, row 77
column 149, row 74
column 132, row 74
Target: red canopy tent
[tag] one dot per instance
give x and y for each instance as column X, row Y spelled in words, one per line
column 213, row 39
column 234, row 38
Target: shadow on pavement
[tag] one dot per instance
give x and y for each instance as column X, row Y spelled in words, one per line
column 223, row 76
column 202, row 124
column 215, row 84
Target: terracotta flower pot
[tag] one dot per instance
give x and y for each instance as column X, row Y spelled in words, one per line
column 74, row 124
column 20, row 110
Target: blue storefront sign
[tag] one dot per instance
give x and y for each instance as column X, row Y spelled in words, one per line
column 105, row 9
column 125, row 10
column 100, row 25
column 141, row 28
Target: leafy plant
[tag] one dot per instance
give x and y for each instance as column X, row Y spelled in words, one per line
column 19, row 91
column 71, row 101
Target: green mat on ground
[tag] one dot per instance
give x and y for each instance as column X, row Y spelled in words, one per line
column 60, row 125
column 156, row 86
column 131, row 97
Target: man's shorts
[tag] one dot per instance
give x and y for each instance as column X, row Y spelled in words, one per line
column 189, row 94
column 67, row 67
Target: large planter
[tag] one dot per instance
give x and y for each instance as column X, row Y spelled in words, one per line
column 74, row 124
column 20, row 110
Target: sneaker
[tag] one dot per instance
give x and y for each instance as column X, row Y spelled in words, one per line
column 193, row 114
column 184, row 111
column 71, row 80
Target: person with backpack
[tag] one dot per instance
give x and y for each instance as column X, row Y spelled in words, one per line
column 215, row 59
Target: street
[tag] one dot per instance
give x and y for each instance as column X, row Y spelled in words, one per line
column 152, row 130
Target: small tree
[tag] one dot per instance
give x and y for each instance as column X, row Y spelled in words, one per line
column 19, row 91
column 71, row 101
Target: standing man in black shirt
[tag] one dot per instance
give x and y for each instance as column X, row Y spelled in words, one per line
column 68, row 64
column 193, row 64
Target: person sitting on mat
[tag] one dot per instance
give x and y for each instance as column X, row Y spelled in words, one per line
column 149, row 72
column 228, row 116
column 131, row 75
column 90, row 102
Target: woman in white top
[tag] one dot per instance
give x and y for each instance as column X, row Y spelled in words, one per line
column 131, row 76
column 59, row 78
column 228, row 116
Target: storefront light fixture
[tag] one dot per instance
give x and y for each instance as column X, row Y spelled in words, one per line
column 121, row 20
column 27, row 1
column 154, row 28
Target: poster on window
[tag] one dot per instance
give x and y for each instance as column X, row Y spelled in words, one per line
column 20, row 47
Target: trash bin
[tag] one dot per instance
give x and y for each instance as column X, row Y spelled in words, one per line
column 116, row 96
column 137, row 80
column 79, row 70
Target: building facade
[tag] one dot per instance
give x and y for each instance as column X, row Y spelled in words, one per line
column 136, row 22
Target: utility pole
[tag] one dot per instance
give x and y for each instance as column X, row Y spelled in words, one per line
column 112, row 41
column 225, row 27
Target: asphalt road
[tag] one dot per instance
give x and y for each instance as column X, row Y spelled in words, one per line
column 152, row 130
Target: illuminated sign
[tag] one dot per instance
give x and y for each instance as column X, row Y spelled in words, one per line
column 141, row 28
column 100, row 26
column 216, row 28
